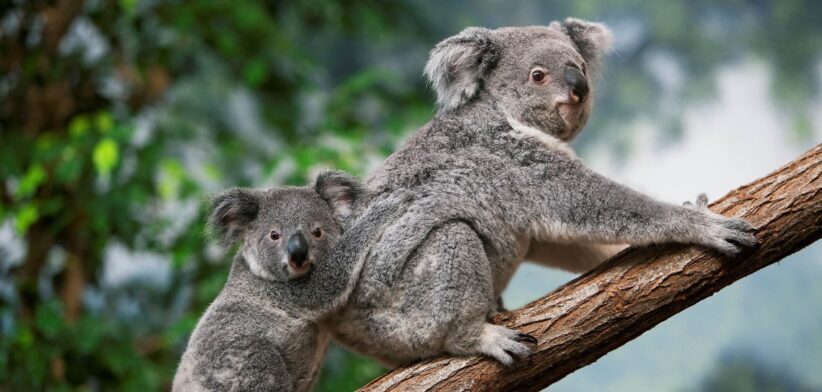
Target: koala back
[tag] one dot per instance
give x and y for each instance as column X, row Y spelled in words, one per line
column 245, row 341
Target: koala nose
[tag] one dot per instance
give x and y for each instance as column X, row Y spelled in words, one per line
column 297, row 249
column 577, row 82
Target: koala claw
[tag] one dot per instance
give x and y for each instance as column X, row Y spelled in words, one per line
column 505, row 344
column 727, row 235
column 701, row 202
column 524, row 337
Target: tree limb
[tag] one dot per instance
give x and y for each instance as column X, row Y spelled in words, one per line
column 634, row 291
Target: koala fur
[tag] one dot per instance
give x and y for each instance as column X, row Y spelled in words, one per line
column 261, row 332
column 489, row 182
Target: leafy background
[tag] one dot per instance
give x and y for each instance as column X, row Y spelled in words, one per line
column 118, row 117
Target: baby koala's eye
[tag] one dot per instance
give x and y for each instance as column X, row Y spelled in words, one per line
column 317, row 232
column 538, row 75
column 274, row 235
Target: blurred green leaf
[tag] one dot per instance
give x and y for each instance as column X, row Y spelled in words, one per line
column 28, row 184
column 25, row 217
column 104, row 122
column 25, row 338
column 129, row 5
column 105, row 156
column 79, row 126
column 254, row 72
column 171, row 178
column 181, row 328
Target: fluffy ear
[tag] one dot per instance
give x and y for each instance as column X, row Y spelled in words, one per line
column 231, row 212
column 592, row 39
column 341, row 190
column 458, row 65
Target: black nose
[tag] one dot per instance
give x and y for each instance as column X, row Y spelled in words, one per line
column 577, row 82
column 297, row 249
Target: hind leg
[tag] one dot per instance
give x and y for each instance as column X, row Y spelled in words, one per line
column 452, row 279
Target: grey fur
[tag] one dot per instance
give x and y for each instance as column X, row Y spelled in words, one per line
column 459, row 64
column 488, row 182
column 261, row 332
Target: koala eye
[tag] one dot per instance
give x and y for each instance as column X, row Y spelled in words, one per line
column 317, row 232
column 538, row 75
column 274, row 235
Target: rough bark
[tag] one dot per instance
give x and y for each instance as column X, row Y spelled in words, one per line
column 634, row 291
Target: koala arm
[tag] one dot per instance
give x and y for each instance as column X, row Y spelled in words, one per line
column 568, row 202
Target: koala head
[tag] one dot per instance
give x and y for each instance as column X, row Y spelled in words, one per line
column 285, row 231
column 541, row 76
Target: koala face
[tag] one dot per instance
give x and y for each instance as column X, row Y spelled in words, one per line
column 285, row 231
column 541, row 76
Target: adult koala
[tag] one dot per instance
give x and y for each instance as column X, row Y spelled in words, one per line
column 490, row 181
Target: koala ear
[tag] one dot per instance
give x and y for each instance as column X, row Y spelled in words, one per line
column 592, row 39
column 231, row 212
column 458, row 65
column 340, row 190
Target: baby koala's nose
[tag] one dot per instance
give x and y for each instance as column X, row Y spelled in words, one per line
column 297, row 249
column 577, row 82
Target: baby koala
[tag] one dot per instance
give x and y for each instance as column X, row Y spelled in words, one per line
column 260, row 333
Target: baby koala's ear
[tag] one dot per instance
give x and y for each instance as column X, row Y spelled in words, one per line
column 592, row 39
column 459, row 64
column 231, row 213
column 341, row 190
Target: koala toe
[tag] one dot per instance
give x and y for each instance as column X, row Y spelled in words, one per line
column 739, row 225
column 505, row 344
column 702, row 200
column 726, row 248
column 745, row 239
column 502, row 357
column 740, row 232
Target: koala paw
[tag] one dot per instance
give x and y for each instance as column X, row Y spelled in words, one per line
column 727, row 235
column 505, row 344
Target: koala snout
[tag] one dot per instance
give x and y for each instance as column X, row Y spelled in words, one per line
column 297, row 250
column 577, row 83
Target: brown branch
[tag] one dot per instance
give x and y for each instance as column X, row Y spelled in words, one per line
column 634, row 291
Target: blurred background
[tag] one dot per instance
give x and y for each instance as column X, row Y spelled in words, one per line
column 118, row 117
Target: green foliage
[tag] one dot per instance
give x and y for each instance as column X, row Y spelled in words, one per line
column 346, row 372
column 114, row 168
column 92, row 353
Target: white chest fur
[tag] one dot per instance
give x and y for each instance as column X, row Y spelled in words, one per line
column 547, row 140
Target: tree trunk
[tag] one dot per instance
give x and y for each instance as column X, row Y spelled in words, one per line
column 634, row 291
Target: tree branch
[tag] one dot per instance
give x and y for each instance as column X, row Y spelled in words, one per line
column 634, row 291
